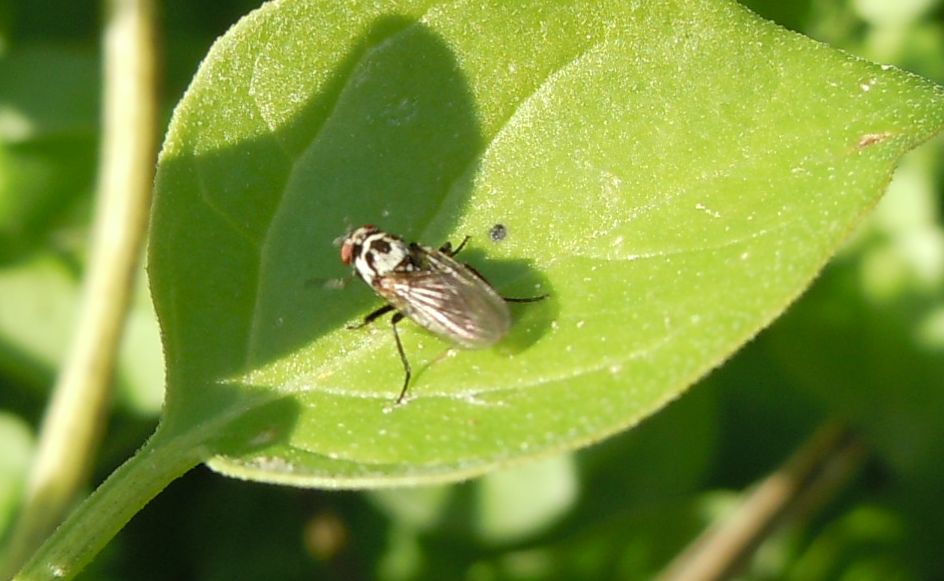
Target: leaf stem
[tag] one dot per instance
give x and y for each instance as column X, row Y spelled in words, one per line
column 812, row 474
column 71, row 427
column 112, row 505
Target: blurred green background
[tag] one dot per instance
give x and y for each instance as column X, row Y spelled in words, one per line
column 865, row 344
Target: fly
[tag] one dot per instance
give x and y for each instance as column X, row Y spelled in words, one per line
column 430, row 287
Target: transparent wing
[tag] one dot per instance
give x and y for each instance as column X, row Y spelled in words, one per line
column 450, row 300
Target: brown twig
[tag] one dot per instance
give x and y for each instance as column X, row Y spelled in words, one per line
column 806, row 480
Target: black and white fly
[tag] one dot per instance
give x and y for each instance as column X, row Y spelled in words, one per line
column 437, row 292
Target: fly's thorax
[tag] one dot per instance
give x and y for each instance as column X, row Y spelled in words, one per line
column 381, row 254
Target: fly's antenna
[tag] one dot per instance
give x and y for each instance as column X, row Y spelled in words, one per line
column 329, row 283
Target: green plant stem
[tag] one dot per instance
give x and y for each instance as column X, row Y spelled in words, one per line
column 71, row 426
column 103, row 513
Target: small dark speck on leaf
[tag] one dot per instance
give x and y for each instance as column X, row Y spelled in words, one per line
column 498, row 232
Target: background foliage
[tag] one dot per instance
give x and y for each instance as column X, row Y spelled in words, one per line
column 865, row 343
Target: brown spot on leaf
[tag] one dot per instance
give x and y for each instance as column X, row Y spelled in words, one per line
column 869, row 139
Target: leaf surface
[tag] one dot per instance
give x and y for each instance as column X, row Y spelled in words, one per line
column 673, row 174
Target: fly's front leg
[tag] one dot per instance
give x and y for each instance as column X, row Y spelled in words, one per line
column 329, row 283
column 447, row 247
column 406, row 364
column 372, row 317
column 396, row 318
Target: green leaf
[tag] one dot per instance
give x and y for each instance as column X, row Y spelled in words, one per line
column 673, row 174
column 18, row 447
column 511, row 504
column 53, row 91
column 48, row 143
column 39, row 300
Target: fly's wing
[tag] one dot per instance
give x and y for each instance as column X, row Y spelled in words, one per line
column 448, row 299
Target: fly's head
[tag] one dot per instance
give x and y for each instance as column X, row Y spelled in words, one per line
column 353, row 243
column 375, row 254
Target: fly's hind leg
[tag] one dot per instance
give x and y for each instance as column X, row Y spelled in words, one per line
column 406, row 364
column 447, row 248
column 526, row 299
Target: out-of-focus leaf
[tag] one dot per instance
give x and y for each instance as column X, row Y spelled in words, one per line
column 48, row 91
column 38, row 302
column 16, row 449
column 38, row 299
column 419, row 507
column 48, row 141
column 866, row 543
column 522, row 501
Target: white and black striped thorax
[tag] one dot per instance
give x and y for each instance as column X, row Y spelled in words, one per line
column 430, row 287
column 376, row 254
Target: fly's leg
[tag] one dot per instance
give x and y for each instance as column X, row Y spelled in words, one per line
column 396, row 318
column 448, row 251
column 406, row 364
column 447, row 247
column 373, row 317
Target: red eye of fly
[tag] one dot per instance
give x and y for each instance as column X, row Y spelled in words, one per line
column 347, row 251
